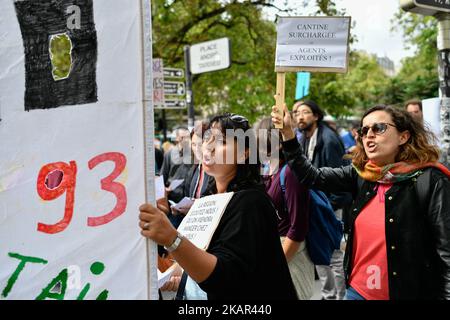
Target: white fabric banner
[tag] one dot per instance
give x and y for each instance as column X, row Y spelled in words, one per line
column 71, row 151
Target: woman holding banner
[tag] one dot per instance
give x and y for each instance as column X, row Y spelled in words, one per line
column 244, row 259
column 398, row 246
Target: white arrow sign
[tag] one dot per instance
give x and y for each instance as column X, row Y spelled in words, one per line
column 173, row 73
column 174, row 88
column 176, row 103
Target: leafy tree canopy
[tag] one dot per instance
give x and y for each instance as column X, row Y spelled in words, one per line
column 248, row 86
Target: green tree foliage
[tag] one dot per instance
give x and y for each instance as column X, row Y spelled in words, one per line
column 366, row 85
column 418, row 76
column 350, row 93
column 248, row 85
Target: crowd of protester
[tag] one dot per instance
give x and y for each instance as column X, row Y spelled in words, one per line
column 381, row 174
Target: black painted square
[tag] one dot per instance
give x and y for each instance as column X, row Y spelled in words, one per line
column 39, row 20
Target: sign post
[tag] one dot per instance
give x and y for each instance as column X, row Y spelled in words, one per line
column 172, row 92
column 441, row 10
column 200, row 58
column 158, row 83
column 189, row 92
column 315, row 44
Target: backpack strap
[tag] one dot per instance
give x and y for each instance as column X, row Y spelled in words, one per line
column 181, row 287
column 283, row 187
column 283, row 179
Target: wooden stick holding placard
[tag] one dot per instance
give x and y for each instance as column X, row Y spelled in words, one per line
column 324, row 50
column 279, row 98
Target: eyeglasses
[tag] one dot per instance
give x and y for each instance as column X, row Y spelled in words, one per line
column 303, row 113
column 213, row 133
column 239, row 121
column 377, row 128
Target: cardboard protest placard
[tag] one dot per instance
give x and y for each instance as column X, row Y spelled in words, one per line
column 315, row 44
column 203, row 218
column 72, row 150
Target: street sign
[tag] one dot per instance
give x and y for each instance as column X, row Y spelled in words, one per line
column 175, row 88
column 426, row 7
column 438, row 5
column 210, row 56
column 175, row 103
column 158, row 83
column 173, row 73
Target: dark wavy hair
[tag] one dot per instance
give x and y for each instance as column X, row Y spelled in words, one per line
column 314, row 108
column 247, row 174
column 420, row 148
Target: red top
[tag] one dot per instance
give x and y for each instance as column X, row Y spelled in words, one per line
column 370, row 273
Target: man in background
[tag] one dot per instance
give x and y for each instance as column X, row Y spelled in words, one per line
column 324, row 148
column 414, row 108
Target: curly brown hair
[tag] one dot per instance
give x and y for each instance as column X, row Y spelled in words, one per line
column 420, row 147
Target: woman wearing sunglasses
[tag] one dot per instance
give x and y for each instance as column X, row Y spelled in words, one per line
column 399, row 241
column 245, row 259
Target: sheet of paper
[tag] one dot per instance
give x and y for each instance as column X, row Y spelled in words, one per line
column 203, row 218
column 163, row 277
column 175, row 184
column 159, row 187
column 184, row 205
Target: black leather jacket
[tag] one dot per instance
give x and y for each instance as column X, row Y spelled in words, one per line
column 329, row 152
column 417, row 231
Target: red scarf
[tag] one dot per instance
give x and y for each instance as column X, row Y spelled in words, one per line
column 398, row 171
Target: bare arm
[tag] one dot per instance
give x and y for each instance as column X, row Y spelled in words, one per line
column 197, row 263
column 290, row 247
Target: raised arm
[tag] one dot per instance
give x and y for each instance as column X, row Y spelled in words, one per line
column 343, row 179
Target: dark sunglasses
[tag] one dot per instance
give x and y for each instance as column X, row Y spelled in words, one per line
column 377, row 128
column 236, row 118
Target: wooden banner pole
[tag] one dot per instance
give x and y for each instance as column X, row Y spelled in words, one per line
column 279, row 100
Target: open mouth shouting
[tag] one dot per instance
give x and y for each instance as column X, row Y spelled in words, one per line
column 371, row 146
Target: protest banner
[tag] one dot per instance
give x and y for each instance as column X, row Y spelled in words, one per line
column 314, row 44
column 74, row 95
